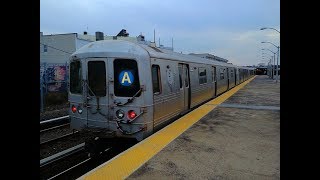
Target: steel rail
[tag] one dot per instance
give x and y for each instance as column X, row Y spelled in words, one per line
column 62, row 154
column 53, row 120
column 60, row 137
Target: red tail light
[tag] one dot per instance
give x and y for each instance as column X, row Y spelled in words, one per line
column 73, row 109
column 132, row 114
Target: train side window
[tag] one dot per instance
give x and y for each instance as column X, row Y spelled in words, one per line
column 75, row 77
column 221, row 74
column 45, row 48
column 180, row 75
column 186, row 77
column 213, row 74
column 97, row 78
column 202, row 75
column 231, row 73
column 156, row 79
column 126, row 78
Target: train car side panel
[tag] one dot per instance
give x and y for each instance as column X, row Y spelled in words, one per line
column 201, row 83
column 231, row 77
column 170, row 101
column 222, row 81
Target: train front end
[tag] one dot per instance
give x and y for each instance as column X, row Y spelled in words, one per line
column 108, row 90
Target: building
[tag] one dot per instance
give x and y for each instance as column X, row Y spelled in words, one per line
column 57, row 48
column 210, row 56
column 94, row 37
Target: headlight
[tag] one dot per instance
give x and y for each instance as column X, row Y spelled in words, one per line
column 79, row 110
column 120, row 114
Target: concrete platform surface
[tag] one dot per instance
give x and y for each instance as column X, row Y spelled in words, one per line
column 240, row 139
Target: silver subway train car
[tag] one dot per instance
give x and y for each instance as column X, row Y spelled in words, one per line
column 131, row 90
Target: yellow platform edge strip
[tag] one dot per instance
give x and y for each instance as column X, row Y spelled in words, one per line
column 124, row 164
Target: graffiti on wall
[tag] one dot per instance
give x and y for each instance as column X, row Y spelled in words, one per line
column 54, row 76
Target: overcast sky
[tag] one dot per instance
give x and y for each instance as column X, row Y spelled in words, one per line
column 226, row 28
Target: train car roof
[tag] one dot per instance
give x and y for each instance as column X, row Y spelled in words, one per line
column 106, row 48
column 109, row 48
column 168, row 54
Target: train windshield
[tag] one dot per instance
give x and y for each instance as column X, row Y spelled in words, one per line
column 126, row 78
column 75, row 77
column 97, row 78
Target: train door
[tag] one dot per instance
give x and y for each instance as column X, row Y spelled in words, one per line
column 244, row 75
column 214, row 76
column 185, row 85
column 235, row 77
column 239, row 76
column 96, row 92
column 228, row 78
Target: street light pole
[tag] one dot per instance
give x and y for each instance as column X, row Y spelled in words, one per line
column 278, row 48
column 277, row 72
column 270, row 68
column 274, row 58
column 274, row 64
column 270, row 28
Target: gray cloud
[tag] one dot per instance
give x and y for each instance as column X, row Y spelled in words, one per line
column 228, row 28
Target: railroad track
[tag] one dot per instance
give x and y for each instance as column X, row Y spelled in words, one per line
column 82, row 167
column 56, row 165
column 74, row 132
column 55, row 127
column 51, row 159
column 63, row 173
column 54, row 123
column 76, row 161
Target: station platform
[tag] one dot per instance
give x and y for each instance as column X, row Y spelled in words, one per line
column 234, row 136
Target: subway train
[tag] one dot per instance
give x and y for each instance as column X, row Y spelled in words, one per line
column 131, row 90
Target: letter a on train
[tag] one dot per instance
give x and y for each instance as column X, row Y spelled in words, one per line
column 126, row 78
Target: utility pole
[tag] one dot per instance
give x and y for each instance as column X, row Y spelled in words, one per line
column 277, row 71
column 172, row 43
